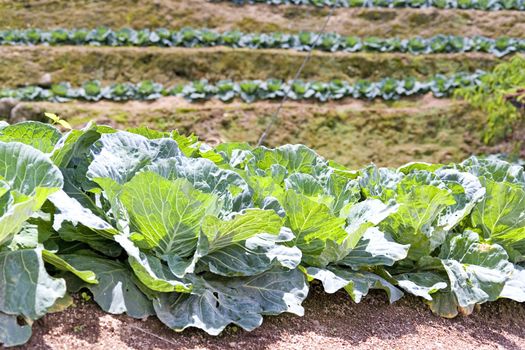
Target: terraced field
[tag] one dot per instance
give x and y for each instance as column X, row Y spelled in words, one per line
column 397, row 83
column 76, row 64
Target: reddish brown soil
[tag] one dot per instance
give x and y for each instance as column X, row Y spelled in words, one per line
column 330, row 322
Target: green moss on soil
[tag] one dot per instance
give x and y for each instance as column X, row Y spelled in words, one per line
column 26, row 65
column 352, row 133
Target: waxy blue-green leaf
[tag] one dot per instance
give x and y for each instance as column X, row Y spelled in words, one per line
column 363, row 215
column 379, row 183
column 116, row 291
column 69, row 209
column 477, row 271
column 374, row 249
column 207, row 177
column 11, row 333
column 26, row 288
column 422, row 284
column 495, row 169
column 359, row 218
column 467, row 191
column 120, row 155
column 241, row 246
column 217, row 301
column 515, row 286
column 76, row 234
column 356, row 283
column 254, row 256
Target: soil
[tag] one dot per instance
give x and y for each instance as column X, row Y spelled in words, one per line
column 259, row 18
column 330, row 322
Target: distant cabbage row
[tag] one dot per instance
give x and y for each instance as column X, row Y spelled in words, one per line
column 249, row 90
column 304, row 41
column 486, row 5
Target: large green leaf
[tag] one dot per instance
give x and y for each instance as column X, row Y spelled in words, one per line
column 120, row 155
column 227, row 239
column 356, row 283
column 495, row 169
column 150, row 270
column 11, row 333
column 413, row 223
column 422, row 284
column 313, row 225
column 253, row 256
column 515, row 287
column 25, row 286
column 17, row 211
column 364, row 215
column 27, row 178
column 379, row 183
column 501, row 216
column 74, row 145
column 305, row 184
column 166, row 215
column 41, row 136
column 344, row 192
column 375, row 248
column 116, row 291
column 77, row 234
column 445, row 304
column 29, row 171
column 466, row 190
column 267, row 192
column 207, row 177
column 294, row 158
column 87, row 275
column 220, row 233
column 69, row 209
column 477, row 271
column 219, row 301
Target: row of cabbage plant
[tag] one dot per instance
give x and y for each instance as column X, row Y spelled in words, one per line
column 152, row 223
column 303, row 41
column 485, row 5
column 248, row 90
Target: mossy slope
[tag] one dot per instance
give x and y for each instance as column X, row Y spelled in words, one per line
column 353, row 133
column 224, row 16
column 25, row 65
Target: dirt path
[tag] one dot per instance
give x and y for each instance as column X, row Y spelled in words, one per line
column 330, row 322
